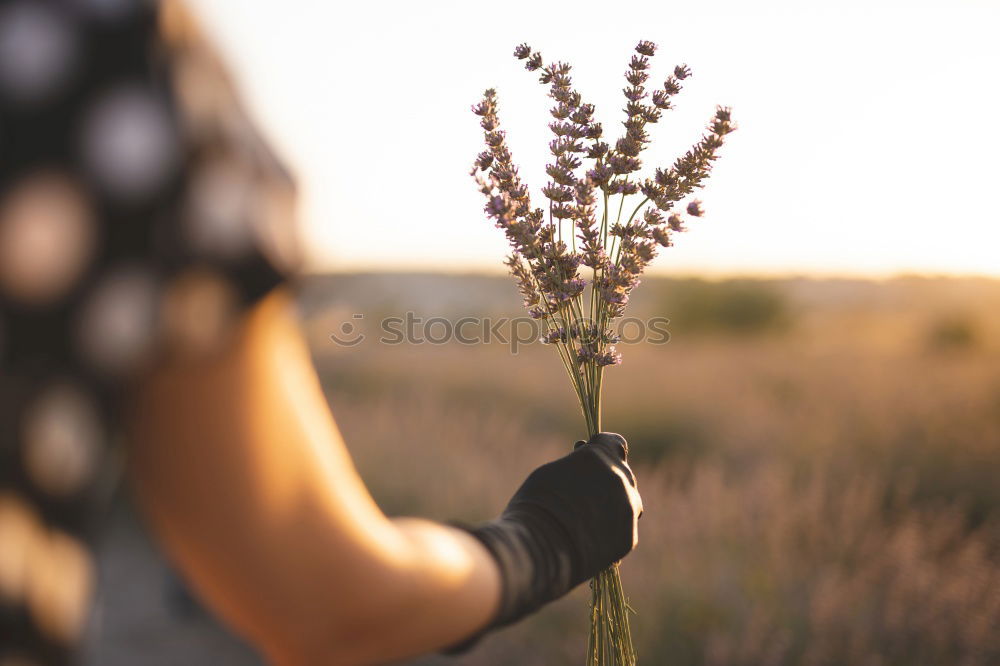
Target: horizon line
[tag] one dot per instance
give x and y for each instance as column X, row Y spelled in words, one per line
column 482, row 271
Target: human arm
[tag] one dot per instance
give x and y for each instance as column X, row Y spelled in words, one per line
column 247, row 482
column 243, row 474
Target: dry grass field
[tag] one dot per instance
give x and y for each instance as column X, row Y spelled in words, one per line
column 819, row 460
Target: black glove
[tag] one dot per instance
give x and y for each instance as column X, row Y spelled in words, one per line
column 568, row 521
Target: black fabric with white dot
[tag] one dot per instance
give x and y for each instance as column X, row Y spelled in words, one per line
column 139, row 214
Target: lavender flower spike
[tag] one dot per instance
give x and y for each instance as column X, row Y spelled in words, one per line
column 577, row 258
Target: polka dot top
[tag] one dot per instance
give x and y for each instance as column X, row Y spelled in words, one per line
column 139, row 212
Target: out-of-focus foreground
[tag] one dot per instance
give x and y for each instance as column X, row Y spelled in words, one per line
column 819, row 460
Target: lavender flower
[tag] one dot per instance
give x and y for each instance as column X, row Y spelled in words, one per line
column 661, row 236
column 646, row 48
column 608, row 357
column 586, row 353
column 586, row 224
column 556, row 335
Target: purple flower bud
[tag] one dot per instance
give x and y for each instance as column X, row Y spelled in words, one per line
column 616, row 296
column 586, row 353
column 598, row 150
column 661, row 99
column 723, row 123
column 651, row 115
column 634, row 108
column 569, row 162
column 518, row 192
column 634, row 93
column 494, row 138
column 652, row 217
column 584, row 193
column 610, row 357
column 600, row 174
column 561, row 94
column 522, row 51
column 623, row 164
column 558, row 193
column 709, row 144
column 682, row 72
column 562, row 211
column 622, row 186
column 721, row 127
column 560, row 129
column 628, row 147
column 497, row 206
column 665, row 177
column 661, row 236
column 646, row 48
column 651, row 190
column 694, row 209
column 560, row 174
column 501, row 153
column 557, row 335
column 638, row 62
column 645, row 251
column 593, row 131
column 582, row 115
column 636, row 78
column 593, row 255
column 561, row 112
column 484, row 160
column 572, row 288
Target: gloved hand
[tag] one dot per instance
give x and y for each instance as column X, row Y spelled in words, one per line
column 568, row 521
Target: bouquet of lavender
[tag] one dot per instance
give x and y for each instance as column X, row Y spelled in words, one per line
column 551, row 247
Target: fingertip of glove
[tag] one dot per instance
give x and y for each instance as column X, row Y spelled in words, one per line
column 613, row 441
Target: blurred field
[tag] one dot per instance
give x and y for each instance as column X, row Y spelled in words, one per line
column 819, row 460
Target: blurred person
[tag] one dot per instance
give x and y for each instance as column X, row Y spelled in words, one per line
column 147, row 321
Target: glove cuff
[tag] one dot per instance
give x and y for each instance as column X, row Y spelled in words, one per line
column 534, row 558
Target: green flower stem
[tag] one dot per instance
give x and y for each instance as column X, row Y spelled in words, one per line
column 610, row 642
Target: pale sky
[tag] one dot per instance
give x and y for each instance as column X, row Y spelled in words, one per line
column 868, row 140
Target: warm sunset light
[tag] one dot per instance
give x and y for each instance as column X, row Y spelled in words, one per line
column 731, row 268
column 866, row 145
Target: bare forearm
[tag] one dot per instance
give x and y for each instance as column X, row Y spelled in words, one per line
column 441, row 587
column 447, row 589
column 246, row 480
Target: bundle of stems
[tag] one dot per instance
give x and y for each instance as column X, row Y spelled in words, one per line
column 576, row 264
